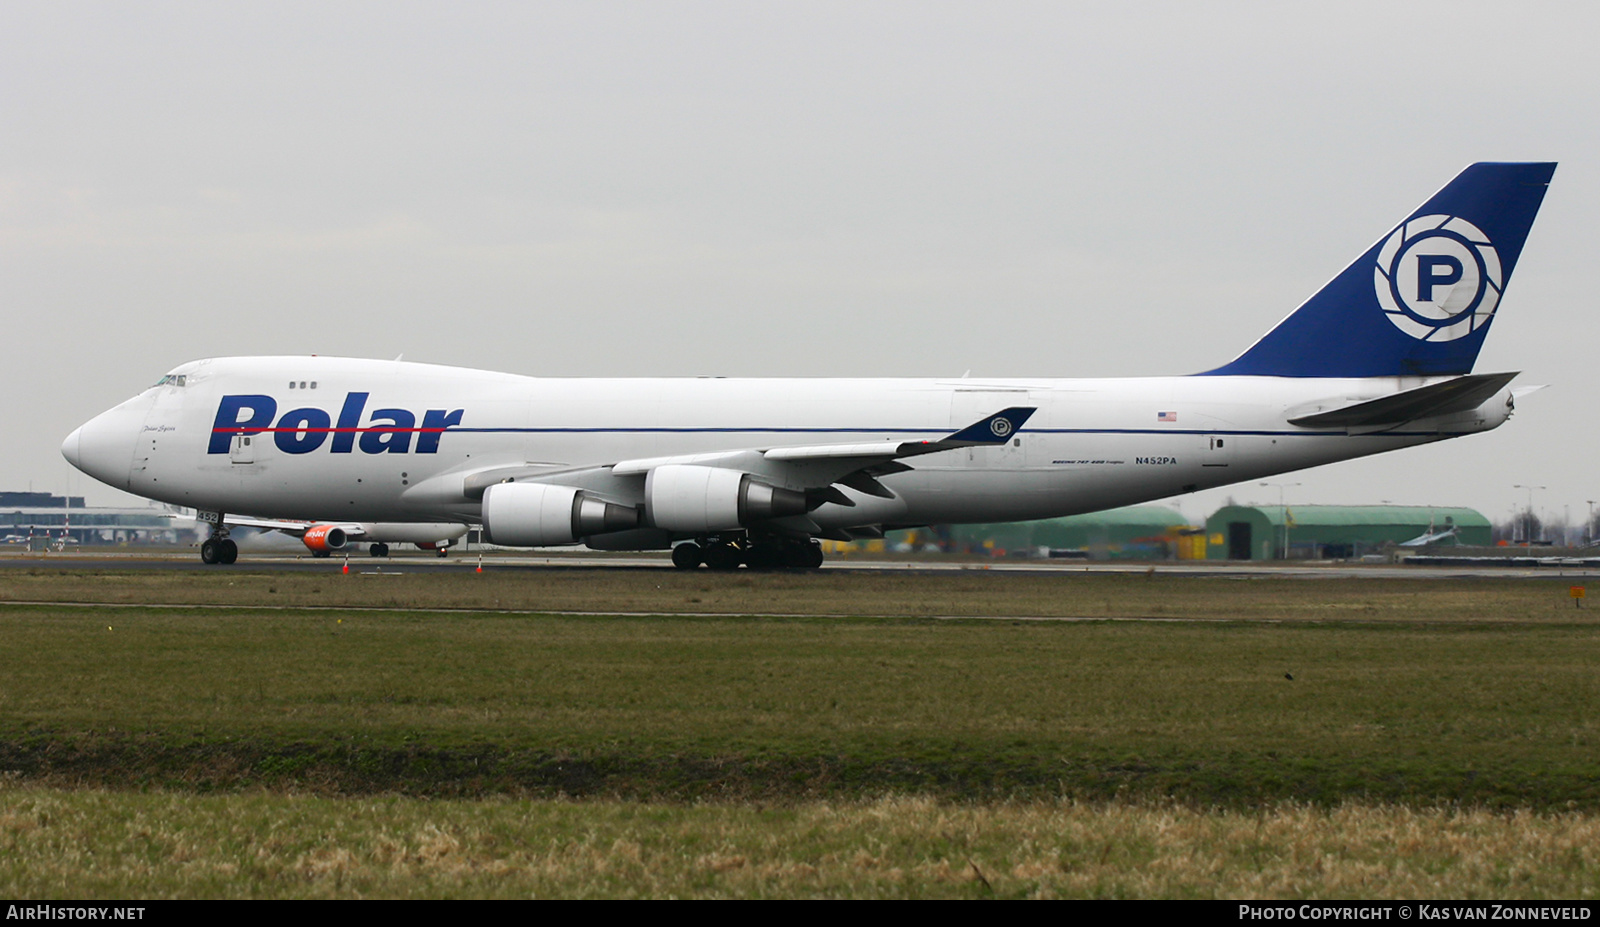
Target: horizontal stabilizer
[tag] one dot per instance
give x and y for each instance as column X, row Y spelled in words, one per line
column 1461, row 394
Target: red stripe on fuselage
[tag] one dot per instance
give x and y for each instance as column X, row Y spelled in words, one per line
column 241, row 430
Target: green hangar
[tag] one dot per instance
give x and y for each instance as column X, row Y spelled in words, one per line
column 1314, row 532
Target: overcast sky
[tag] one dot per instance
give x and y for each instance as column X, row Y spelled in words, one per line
column 811, row 189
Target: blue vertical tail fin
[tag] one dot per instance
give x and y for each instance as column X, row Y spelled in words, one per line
column 1420, row 301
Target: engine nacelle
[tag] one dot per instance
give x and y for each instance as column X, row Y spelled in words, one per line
column 543, row 514
column 328, row 538
column 697, row 500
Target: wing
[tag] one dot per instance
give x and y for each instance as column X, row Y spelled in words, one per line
column 813, row 468
column 292, row 528
column 818, row 465
column 647, row 501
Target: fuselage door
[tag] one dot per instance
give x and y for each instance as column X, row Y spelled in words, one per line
column 242, row 450
column 1218, row 450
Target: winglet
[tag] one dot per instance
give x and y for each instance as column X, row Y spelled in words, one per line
column 995, row 429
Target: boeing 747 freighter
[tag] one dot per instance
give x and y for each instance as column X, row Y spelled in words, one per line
column 751, row 471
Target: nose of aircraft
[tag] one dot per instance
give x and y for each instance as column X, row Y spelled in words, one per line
column 103, row 446
column 69, row 447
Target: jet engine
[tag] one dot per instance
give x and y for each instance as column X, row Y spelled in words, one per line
column 325, row 539
column 543, row 514
column 698, row 500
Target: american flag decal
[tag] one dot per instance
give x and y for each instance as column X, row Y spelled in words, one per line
column 1166, row 416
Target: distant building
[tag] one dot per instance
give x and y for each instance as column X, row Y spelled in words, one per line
column 34, row 517
column 38, row 500
column 1315, row 532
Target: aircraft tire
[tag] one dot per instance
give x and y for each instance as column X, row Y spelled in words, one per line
column 764, row 557
column 227, row 551
column 321, row 554
column 686, row 556
column 379, row 550
column 804, row 556
column 723, row 557
column 444, row 551
column 209, row 553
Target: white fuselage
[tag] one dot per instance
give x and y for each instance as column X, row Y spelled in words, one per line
column 1092, row 443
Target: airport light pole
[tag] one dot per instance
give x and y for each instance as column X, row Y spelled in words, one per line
column 1283, row 515
column 1527, row 534
column 1588, row 526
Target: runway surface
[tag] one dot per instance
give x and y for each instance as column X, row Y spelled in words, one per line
column 279, row 562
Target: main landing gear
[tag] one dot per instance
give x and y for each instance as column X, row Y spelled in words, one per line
column 219, row 548
column 764, row 553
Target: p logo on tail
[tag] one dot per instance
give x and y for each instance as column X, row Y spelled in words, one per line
column 1419, row 302
column 1457, row 278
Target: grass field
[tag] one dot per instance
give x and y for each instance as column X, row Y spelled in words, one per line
column 1458, row 713
column 99, row 844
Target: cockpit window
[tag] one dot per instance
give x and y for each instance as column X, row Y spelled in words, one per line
column 173, row 379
